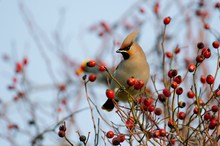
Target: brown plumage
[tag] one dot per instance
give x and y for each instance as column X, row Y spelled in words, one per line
column 134, row 64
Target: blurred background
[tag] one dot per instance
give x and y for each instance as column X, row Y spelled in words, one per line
column 44, row 46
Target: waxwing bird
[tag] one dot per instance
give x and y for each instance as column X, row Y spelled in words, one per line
column 133, row 65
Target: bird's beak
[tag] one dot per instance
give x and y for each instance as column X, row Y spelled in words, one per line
column 121, row 51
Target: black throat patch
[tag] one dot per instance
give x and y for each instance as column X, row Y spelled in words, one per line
column 125, row 55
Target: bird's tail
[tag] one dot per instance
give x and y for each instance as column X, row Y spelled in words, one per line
column 108, row 105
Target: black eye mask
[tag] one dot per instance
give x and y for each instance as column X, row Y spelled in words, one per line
column 128, row 47
column 125, row 54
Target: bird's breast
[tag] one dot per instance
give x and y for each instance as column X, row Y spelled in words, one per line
column 139, row 71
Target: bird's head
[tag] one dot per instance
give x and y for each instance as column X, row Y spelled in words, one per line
column 130, row 48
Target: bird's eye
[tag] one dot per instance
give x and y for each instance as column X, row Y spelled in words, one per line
column 128, row 47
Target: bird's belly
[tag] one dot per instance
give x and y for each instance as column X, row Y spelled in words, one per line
column 122, row 95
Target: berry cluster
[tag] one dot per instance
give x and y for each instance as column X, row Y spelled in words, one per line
column 62, row 131
column 178, row 106
column 174, row 107
column 93, row 64
column 137, row 84
column 19, row 67
column 120, row 138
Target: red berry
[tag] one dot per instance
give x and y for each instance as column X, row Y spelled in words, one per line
column 200, row 45
column 191, row 67
column 21, row 94
column 59, row 109
column 130, row 123
column 166, row 92
column 207, row 116
column 12, row 126
column 14, row 79
column 190, row 94
column 91, row 63
column 174, row 72
column 166, row 20
column 64, row 101
column 169, row 54
column 206, row 26
column 204, row 14
column 106, row 26
column 101, row 68
column 174, row 85
column 92, row 77
column 25, row 61
column 215, row 44
column 82, row 67
column 213, row 123
column 116, row 141
column 151, row 108
column 110, row 134
column 204, row 49
column 131, row 81
column 201, row 103
column 138, row 84
column 214, row 117
column 101, row 33
column 196, row 110
column 110, row 94
column 206, row 52
column 156, row 8
column 16, row 98
column 214, row 108
column 142, row 10
column 62, row 128
column 210, row 79
column 140, row 99
column 121, row 137
column 61, row 133
column 178, row 79
column 217, row 5
column 148, row 101
column 177, row 50
column 62, row 87
column 170, row 123
column 19, row 67
column 181, row 115
column 155, row 133
column 217, row 92
column 172, row 142
column 162, row 132
column 162, row 97
column 198, row 12
column 170, row 73
column 179, row 91
column 144, row 107
column 200, row 58
column 203, row 79
column 158, row 111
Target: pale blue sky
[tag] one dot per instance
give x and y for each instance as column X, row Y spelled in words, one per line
column 16, row 40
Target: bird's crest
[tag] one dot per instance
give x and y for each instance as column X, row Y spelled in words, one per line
column 129, row 39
